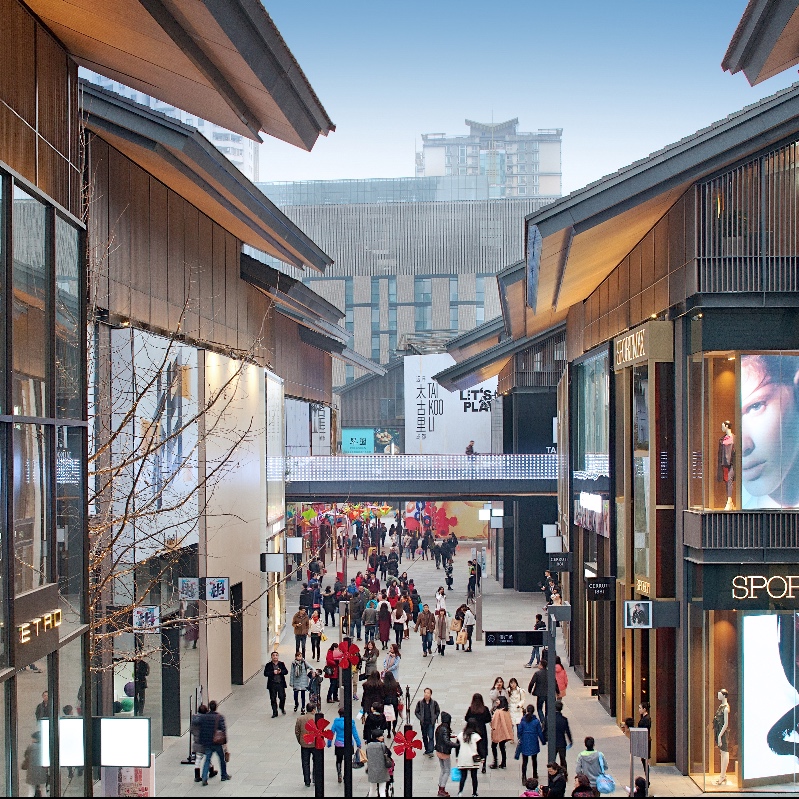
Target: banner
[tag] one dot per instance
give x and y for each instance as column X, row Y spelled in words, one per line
column 441, row 422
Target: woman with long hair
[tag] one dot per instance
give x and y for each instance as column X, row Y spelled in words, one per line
column 372, row 691
column 369, row 658
column 392, row 662
column 517, row 701
column 501, row 731
column 469, row 755
column 331, row 671
column 384, row 623
column 392, row 691
column 481, row 716
column 398, row 620
column 496, row 692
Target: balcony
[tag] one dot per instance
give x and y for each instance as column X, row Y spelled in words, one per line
column 742, row 536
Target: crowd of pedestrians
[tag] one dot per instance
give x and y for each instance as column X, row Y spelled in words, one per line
column 384, row 610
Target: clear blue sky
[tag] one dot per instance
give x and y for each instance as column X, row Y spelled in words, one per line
column 621, row 77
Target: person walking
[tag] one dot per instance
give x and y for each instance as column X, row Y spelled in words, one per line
column 298, row 680
column 426, row 626
column 391, row 663
column 481, row 716
column 563, row 736
column 275, row 672
column 539, row 687
column 329, row 605
column 469, row 755
column 517, row 701
column 369, row 658
column 441, row 632
column 561, row 678
column 441, row 599
column 331, row 671
column 375, row 724
column 338, row 728
column 384, row 623
column 456, row 627
column 398, row 620
column 535, row 655
column 301, row 624
column 370, row 621
column 444, row 744
column 378, row 758
column 317, row 630
column 591, row 762
column 531, row 736
column 211, row 728
column 197, row 748
column 36, row 775
column 501, row 731
column 357, row 608
column 469, row 621
column 306, row 749
column 427, row 712
column 392, row 691
column 372, row 692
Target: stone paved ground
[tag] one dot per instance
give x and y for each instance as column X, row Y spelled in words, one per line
column 264, row 752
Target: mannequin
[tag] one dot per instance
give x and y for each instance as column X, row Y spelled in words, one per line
column 721, row 724
column 726, row 462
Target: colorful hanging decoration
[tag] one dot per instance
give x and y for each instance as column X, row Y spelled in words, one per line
column 406, row 743
column 350, row 655
column 316, row 733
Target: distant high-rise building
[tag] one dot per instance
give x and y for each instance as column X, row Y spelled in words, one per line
column 240, row 151
column 516, row 164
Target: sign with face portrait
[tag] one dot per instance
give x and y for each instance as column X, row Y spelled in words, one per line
column 637, row 615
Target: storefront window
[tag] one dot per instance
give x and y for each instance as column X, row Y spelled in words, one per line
column 68, row 363
column 34, row 720
column 641, row 470
column 744, row 445
column 70, row 531
column 31, row 304
column 71, row 698
column 32, row 492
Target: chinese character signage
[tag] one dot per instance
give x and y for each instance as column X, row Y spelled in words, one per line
column 147, row 619
column 188, row 588
column 441, row 422
column 216, row 588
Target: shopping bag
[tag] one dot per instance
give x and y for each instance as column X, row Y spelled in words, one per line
column 462, row 637
column 358, row 759
column 388, row 712
column 455, row 774
column 605, row 783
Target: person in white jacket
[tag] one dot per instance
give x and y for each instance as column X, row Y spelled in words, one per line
column 469, row 622
column 469, row 759
column 441, row 599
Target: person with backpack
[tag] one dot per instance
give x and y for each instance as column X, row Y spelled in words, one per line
column 591, row 762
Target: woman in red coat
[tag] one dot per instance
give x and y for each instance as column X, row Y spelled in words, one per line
column 332, row 672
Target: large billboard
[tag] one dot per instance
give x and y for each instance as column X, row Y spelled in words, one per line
column 769, row 442
column 441, row 422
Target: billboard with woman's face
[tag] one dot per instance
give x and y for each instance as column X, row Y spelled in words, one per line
column 770, row 431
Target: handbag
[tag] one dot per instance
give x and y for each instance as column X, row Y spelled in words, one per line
column 328, row 672
column 477, row 759
column 387, row 759
column 388, row 712
column 450, row 641
column 220, row 738
column 358, row 759
column 400, row 708
column 604, row 782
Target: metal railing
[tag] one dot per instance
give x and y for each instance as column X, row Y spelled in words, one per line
column 421, row 467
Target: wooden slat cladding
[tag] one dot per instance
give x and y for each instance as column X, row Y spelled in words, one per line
column 166, row 255
column 39, row 128
column 757, row 529
column 538, row 366
column 305, row 369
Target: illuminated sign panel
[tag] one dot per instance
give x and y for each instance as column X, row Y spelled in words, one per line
column 36, row 630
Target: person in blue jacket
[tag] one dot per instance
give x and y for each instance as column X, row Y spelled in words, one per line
column 530, row 733
column 337, row 728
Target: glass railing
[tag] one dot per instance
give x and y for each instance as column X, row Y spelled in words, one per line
column 421, row 467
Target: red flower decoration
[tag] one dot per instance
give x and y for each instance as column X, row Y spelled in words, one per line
column 316, row 733
column 350, row 655
column 406, row 744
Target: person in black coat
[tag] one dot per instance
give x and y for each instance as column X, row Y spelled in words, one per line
column 563, row 736
column 375, row 725
column 482, row 718
column 557, row 781
column 539, row 688
column 275, row 672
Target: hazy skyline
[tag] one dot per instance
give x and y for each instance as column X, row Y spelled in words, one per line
column 621, row 78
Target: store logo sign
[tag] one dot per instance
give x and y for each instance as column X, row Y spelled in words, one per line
column 631, row 348
column 755, row 586
column 29, row 630
column 643, row 586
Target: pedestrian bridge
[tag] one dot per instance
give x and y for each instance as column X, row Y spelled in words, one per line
column 360, row 477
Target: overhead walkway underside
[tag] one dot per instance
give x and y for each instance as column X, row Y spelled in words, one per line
column 360, row 477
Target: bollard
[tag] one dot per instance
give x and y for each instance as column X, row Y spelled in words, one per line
column 408, row 772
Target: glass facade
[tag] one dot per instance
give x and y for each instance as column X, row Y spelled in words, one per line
column 43, row 431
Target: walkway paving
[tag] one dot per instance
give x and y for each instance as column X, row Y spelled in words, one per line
column 264, row 753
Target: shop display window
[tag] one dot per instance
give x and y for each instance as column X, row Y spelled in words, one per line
column 641, row 470
column 743, row 700
column 743, row 430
